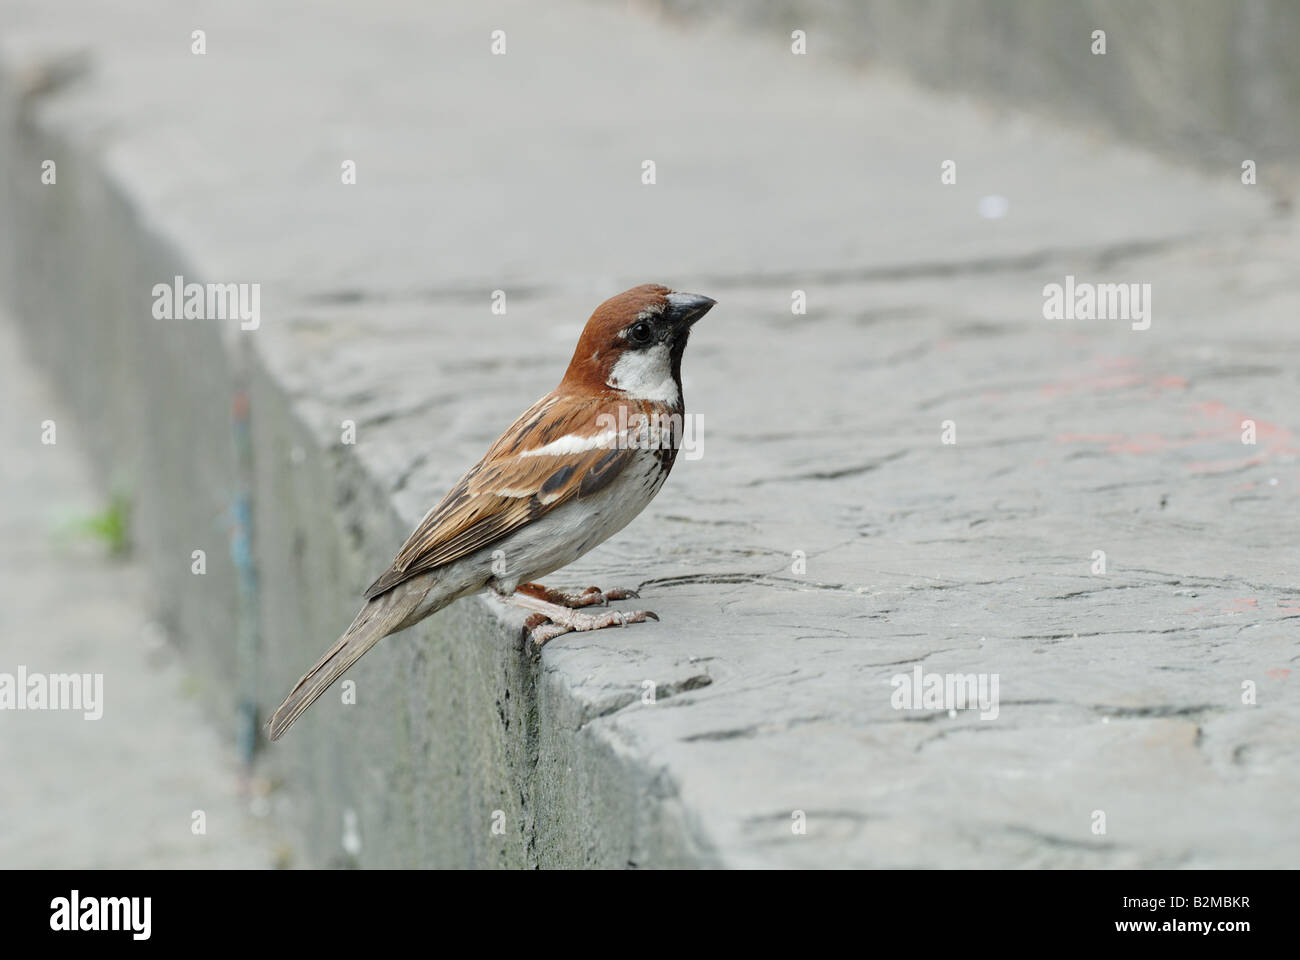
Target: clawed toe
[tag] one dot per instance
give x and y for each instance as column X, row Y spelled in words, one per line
column 620, row 593
column 542, row 629
column 587, row 598
column 593, row 596
column 551, row 618
column 615, row 618
column 637, row 616
column 577, row 599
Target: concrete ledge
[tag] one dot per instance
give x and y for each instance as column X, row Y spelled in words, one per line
column 1120, row 692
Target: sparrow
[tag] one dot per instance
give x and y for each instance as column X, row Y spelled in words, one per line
column 570, row 473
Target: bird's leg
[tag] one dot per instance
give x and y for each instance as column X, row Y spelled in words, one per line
column 551, row 620
column 576, row 598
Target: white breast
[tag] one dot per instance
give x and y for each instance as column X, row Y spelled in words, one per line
column 577, row 526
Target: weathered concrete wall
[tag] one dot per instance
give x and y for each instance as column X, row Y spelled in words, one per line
column 78, row 263
column 1120, row 691
column 118, row 790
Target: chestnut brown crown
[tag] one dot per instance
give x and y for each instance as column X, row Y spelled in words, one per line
column 643, row 326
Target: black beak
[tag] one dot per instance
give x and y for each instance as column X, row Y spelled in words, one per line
column 685, row 308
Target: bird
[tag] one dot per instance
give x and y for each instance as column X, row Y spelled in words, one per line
column 572, row 471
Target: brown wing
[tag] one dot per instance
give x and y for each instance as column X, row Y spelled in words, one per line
column 512, row 485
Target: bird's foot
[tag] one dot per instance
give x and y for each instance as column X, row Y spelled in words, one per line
column 551, row 620
column 575, row 599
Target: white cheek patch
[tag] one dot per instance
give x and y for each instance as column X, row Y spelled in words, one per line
column 645, row 375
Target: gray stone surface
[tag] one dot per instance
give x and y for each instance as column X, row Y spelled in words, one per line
column 1120, row 692
column 1207, row 82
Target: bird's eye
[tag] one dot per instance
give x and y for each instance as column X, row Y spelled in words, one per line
column 640, row 332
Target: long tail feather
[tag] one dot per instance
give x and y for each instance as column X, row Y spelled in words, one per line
column 377, row 619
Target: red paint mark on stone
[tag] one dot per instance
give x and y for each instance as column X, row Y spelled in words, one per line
column 1142, row 443
column 1090, row 438
column 1101, row 384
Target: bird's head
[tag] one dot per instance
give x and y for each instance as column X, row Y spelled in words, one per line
column 633, row 344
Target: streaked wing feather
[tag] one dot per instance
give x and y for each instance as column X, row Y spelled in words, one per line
column 508, row 489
